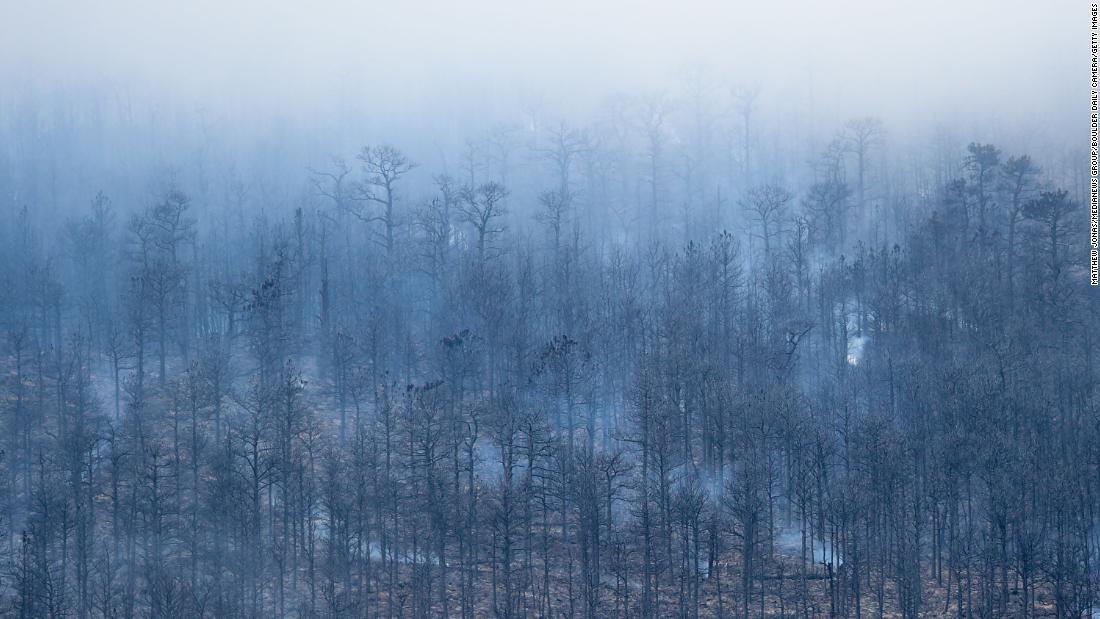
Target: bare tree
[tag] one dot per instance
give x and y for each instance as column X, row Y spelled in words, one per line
column 382, row 167
column 766, row 206
column 482, row 207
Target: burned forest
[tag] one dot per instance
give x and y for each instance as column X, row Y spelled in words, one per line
column 707, row 349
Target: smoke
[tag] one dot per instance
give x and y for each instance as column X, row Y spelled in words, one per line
column 378, row 64
column 856, row 346
column 789, row 542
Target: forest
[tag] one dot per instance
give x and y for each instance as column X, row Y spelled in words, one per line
column 853, row 397
column 685, row 354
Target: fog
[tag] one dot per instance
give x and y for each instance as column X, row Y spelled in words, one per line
column 389, row 69
column 589, row 309
column 313, row 80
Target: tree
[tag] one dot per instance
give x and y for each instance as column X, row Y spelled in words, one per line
column 982, row 162
column 1019, row 181
column 827, row 204
column 481, row 207
column 860, row 135
column 160, row 233
column 1049, row 212
column 382, row 167
column 766, row 206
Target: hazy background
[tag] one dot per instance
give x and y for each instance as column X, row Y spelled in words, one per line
column 300, row 80
column 906, row 59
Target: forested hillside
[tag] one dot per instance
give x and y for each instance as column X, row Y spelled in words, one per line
column 666, row 367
